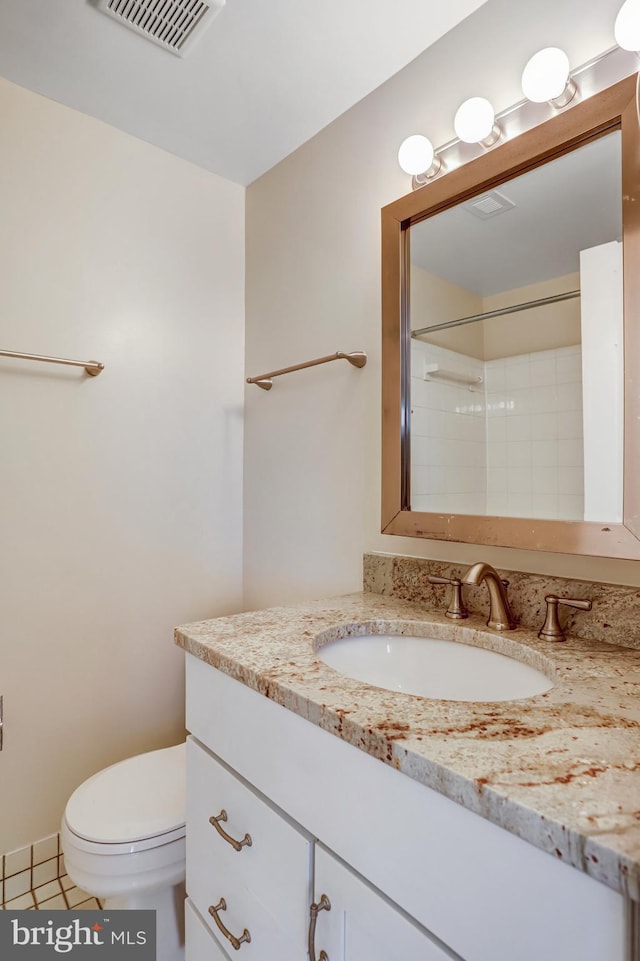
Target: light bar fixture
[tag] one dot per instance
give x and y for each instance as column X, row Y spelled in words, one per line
column 546, row 79
column 627, row 26
column 417, row 157
column 475, row 122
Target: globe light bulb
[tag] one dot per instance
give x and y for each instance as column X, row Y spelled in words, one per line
column 475, row 121
column 416, row 154
column 627, row 26
column 546, row 75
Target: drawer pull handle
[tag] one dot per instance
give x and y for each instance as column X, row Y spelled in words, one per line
column 236, row 845
column 324, row 904
column 235, row 942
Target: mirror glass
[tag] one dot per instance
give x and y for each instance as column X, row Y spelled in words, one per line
column 517, row 411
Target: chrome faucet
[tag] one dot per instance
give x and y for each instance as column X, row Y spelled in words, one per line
column 500, row 616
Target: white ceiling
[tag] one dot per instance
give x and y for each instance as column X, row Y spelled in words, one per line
column 561, row 208
column 263, row 79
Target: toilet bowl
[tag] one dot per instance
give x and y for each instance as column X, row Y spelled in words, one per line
column 123, row 839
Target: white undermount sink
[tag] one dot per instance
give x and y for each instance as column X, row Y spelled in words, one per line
column 437, row 667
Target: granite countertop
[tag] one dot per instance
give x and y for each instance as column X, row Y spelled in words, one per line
column 560, row 770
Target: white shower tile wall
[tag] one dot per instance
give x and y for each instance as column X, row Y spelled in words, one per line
column 448, row 433
column 512, row 446
column 34, row 877
column 535, row 456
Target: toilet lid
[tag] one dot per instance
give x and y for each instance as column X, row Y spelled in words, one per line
column 141, row 797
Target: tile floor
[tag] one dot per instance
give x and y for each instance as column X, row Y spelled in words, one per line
column 34, row 877
column 59, row 894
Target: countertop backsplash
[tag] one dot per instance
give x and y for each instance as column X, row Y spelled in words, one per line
column 614, row 618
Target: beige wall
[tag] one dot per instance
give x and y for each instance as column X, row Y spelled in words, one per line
column 543, row 328
column 436, row 301
column 120, row 506
column 312, row 445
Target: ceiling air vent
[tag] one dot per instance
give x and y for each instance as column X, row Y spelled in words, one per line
column 172, row 24
column 489, row 205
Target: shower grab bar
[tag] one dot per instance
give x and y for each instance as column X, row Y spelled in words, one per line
column 92, row 367
column 357, row 358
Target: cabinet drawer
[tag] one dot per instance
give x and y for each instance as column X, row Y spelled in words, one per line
column 266, row 884
column 199, row 944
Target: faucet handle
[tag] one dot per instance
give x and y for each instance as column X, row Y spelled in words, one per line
column 551, row 629
column 456, row 609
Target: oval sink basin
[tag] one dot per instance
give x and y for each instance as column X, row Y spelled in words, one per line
column 434, row 667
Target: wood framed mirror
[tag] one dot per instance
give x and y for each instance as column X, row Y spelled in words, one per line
column 519, row 427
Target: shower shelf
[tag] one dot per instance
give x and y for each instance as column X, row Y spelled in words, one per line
column 436, row 372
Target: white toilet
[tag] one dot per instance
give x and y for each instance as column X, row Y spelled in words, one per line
column 123, row 838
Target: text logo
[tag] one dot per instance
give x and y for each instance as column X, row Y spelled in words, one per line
column 79, row 935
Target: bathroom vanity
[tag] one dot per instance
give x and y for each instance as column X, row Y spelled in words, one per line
column 327, row 815
column 333, row 819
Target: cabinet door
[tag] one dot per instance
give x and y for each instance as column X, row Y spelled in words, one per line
column 361, row 923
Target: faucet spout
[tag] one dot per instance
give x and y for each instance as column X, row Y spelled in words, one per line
column 500, row 616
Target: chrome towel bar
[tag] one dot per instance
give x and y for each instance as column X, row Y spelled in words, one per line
column 357, row 358
column 92, row 367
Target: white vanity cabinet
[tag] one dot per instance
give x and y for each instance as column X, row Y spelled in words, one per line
column 265, row 878
column 409, row 870
column 359, row 924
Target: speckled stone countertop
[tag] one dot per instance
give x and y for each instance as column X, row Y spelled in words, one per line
column 560, row 770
